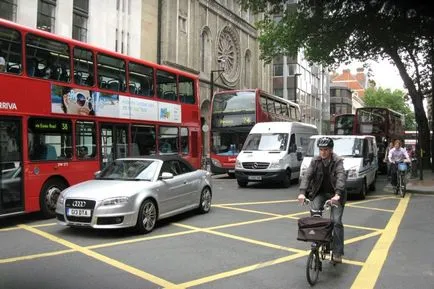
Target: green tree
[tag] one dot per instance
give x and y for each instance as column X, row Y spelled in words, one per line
column 333, row 32
column 394, row 100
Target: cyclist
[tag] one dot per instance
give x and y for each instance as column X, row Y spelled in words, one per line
column 325, row 179
column 397, row 154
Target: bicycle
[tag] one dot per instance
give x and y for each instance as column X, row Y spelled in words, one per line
column 401, row 183
column 321, row 245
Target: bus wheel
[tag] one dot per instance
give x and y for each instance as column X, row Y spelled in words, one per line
column 287, row 179
column 48, row 198
column 242, row 184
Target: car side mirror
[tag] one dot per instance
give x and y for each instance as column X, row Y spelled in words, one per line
column 166, row 176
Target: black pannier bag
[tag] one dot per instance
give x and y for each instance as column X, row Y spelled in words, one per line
column 314, row 229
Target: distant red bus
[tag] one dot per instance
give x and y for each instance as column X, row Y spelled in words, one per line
column 343, row 124
column 383, row 123
column 68, row 108
column 233, row 114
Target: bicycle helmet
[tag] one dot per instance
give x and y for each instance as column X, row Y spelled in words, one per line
column 325, row 142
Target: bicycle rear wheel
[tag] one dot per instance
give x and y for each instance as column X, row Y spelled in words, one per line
column 313, row 267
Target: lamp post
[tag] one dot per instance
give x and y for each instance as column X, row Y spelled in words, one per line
column 212, row 79
column 295, row 85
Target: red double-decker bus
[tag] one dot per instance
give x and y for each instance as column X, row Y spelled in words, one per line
column 383, row 123
column 343, row 124
column 68, row 108
column 233, row 114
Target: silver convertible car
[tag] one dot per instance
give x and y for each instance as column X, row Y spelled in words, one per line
column 136, row 192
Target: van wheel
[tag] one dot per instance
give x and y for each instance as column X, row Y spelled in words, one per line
column 363, row 190
column 242, row 184
column 48, row 197
column 287, row 179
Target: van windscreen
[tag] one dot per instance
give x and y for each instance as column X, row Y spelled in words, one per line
column 266, row 142
column 344, row 147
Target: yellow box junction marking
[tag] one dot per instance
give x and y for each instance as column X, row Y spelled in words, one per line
column 102, row 258
column 368, row 276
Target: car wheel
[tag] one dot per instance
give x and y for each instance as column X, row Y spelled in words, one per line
column 205, row 200
column 287, row 179
column 242, row 184
column 363, row 190
column 372, row 186
column 48, row 197
column 147, row 217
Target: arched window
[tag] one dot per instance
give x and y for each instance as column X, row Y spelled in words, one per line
column 247, row 69
column 205, row 50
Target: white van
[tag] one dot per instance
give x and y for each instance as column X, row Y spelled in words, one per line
column 273, row 151
column 360, row 160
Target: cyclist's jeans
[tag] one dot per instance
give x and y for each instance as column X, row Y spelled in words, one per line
column 336, row 216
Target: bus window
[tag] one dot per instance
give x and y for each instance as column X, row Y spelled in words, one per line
column 263, row 103
column 111, row 73
column 141, row 79
column 85, row 140
column 184, row 141
column 49, row 139
column 83, row 67
column 166, row 85
column 143, row 140
column 10, row 51
column 46, row 58
column 270, row 106
column 168, row 140
column 186, row 90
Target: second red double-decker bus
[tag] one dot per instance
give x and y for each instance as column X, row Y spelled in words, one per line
column 68, row 108
column 383, row 123
column 233, row 114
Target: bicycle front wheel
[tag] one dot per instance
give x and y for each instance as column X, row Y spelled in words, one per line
column 402, row 187
column 313, row 267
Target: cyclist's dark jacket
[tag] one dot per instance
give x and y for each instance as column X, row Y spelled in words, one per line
column 313, row 179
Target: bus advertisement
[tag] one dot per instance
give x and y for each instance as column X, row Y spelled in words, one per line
column 383, row 123
column 233, row 114
column 68, row 108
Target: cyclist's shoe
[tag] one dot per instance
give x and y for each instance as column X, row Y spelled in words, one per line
column 337, row 258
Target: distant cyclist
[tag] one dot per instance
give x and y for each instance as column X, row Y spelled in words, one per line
column 397, row 154
column 325, row 179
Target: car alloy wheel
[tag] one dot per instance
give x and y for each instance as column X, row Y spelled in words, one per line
column 205, row 200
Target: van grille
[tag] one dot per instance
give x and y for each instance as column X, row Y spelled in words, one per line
column 255, row 165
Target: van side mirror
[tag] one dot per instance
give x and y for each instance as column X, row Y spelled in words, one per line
column 299, row 156
column 292, row 148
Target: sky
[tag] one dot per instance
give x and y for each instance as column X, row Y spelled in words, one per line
column 386, row 75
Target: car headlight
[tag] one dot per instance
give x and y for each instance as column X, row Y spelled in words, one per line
column 274, row 165
column 352, row 173
column 216, row 163
column 303, row 171
column 115, row 201
column 238, row 164
column 61, row 199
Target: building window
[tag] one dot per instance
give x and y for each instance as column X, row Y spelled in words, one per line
column 8, row 9
column 247, row 69
column 79, row 20
column 205, row 51
column 278, row 69
column 46, row 15
column 182, row 24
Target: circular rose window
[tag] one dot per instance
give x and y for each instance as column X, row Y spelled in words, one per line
column 228, row 55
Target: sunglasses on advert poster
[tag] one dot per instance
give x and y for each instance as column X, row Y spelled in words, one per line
column 80, row 99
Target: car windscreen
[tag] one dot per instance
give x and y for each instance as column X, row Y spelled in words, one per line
column 129, row 170
column 266, row 142
column 342, row 146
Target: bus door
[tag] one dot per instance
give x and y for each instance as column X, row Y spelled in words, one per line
column 11, row 165
column 114, row 142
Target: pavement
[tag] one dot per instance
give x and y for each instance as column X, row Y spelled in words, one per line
column 425, row 186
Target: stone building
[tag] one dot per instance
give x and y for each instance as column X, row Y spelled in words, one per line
column 205, row 36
